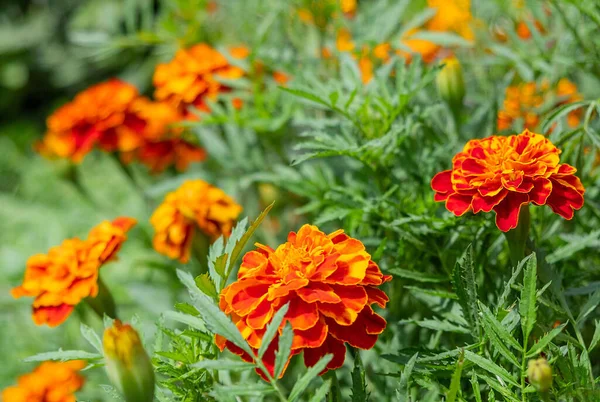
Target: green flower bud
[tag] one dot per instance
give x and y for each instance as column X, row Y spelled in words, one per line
column 450, row 83
column 127, row 363
column 539, row 374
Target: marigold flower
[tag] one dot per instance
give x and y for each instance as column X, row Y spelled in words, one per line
column 281, row 78
column 164, row 143
column 330, row 283
column 196, row 204
column 568, row 93
column 190, row 79
column 343, row 42
column 428, row 50
column 348, row 7
column 451, row 16
column 127, row 363
column 49, row 382
column 68, row 274
column 101, row 116
column 503, row 173
column 524, row 32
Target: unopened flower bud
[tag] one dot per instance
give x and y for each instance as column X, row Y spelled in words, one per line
column 127, row 363
column 450, row 82
column 539, row 374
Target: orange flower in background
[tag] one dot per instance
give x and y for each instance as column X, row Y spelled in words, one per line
column 49, row 382
column 451, row 16
column 348, row 7
column 428, row 50
column 101, row 116
column 524, row 101
column 281, row 78
column 343, row 42
column 68, row 274
column 504, row 173
column 164, row 143
column 524, row 32
column 568, row 93
column 190, row 79
column 239, row 52
column 196, row 204
column 330, row 283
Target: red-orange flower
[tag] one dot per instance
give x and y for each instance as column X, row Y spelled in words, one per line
column 101, row 116
column 504, row 173
column 190, row 79
column 567, row 93
column 68, row 274
column 49, row 382
column 196, row 204
column 330, row 283
column 165, row 144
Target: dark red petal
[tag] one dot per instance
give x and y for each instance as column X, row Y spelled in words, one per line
column 330, row 346
column 507, row 211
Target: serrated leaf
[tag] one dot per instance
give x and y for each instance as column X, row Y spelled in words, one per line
column 256, row 389
column 284, row 349
column 491, row 367
column 497, row 327
column 310, row 375
column 272, row 329
column 239, row 245
column 433, row 292
column 214, row 319
column 578, row 244
column 187, row 309
column 527, row 305
column 465, row 287
column 63, row 355
column 596, row 337
column 455, row 382
column 192, row 321
column 403, row 390
column 206, row 285
column 321, row 392
column 500, row 388
column 418, row 276
column 437, row 325
column 508, row 285
column 475, row 387
column 588, row 307
column 359, row 386
column 546, row 339
column 92, row 337
column 223, row 364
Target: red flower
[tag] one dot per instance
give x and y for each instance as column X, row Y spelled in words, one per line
column 330, row 283
column 503, row 173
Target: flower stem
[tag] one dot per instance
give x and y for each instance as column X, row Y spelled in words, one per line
column 103, row 303
column 517, row 237
column 334, row 391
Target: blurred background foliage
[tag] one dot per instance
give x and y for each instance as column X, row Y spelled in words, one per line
column 327, row 148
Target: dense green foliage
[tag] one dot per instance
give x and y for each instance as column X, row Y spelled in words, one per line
column 463, row 319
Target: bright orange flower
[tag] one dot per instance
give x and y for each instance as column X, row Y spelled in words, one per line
column 164, row 143
column 428, row 50
column 101, row 116
column 190, row 79
column 348, row 7
column 365, row 65
column 239, row 52
column 281, row 78
column 567, row 91
column 330, row 283
column 524, row 32
column 451, row 16
column 521, row 101
column 49, row 382
column 196, row 204
column 343, row 42
column 503, row 173
column 68, row 274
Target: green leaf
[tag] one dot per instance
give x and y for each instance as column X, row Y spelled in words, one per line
column 433, row 292
column 63, row 355
column 560, row 112
column 541, row 344
column 475, row 386
column 207, row 286
column 321, row 392
column 498, row 341
column 359, row 386
column 527, row 305
column 455, row 382
column 403, row 390
column 589, row 306
column 418, row 276
column 490, row 366
column 192, row 321
column 508, row 285
column 284, row 349
column 214, row 319
column 500, row 388
column 497, row 327
column 579, row 243
column 223, row 364
column 437, row 325
column 272, row 329
column 445, row 39
column 311, row 374
column 465, row 286
column 92, row 337
column 256, row 389
column 596, row 337
column 187, row 308
column 239, row 245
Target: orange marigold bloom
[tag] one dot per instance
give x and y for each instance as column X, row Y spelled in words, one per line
column 164, row 143
column 451, row 16
column 101, row 116
column 190, row 79
column 524, row 32
column 330, row 283
column 49, row 382
column 521, row 101
column 68, row 274
column 428, row 50
column 348, row 7
column 503, row 173
column 343, row 42
column 280, row 77
column 567, row 91
column 196, row 204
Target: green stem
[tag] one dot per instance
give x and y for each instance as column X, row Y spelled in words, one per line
column 517, row 237
column 334, row 391
column 523, row 369
column 103, row 303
